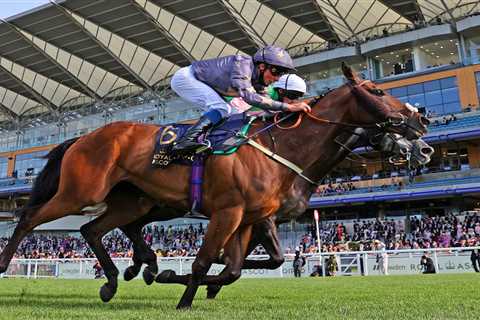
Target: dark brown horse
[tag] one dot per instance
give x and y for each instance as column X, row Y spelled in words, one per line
column 264, row 233
column 239, row 191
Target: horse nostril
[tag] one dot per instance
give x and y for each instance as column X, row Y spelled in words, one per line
column 426, row 150
column 403, row 150
column 424, row 121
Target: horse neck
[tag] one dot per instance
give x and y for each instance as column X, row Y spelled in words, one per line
column 311, row 145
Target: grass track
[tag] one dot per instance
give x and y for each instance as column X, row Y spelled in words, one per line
column 393, row 297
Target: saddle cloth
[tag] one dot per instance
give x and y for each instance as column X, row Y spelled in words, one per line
column 224, row 140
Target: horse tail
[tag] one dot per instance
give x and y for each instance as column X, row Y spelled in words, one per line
column 47, row 181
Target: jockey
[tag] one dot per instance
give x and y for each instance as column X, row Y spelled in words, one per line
column 204, row 82
column 289, row 88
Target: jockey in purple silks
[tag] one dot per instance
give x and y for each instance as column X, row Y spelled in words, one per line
column 204, row 82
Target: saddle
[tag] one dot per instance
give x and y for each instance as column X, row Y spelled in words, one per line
column 223, row 139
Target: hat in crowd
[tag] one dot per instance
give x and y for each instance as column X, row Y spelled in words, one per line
column 291, row 82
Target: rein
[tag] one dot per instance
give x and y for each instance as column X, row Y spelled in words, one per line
column 276, row 122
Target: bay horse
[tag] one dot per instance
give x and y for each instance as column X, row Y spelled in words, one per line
column 239, row 191
column 125, row 198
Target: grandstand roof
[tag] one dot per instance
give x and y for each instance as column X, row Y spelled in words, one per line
column 87, row 49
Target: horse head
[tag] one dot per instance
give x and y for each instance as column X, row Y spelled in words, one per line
column 392, row 126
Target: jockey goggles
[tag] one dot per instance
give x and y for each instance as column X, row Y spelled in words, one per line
column 293, row 95
column 277, row 71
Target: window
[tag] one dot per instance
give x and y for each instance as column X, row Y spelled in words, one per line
column 400, row 91
column 415, row 89
column 431, row 85
column 25, row 162
column 417, row 98
column 433, row 98
column 3, row 167
column 448, row 83
column 437, row 96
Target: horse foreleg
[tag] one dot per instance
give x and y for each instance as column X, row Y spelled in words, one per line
column 223, row 225
column 264, row 233
column 267, row 235
column 232, row 258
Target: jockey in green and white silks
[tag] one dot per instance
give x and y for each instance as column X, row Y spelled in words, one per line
column 204, row 82
column 288, row 89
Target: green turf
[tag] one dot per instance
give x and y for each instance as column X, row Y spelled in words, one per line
column 393, row 297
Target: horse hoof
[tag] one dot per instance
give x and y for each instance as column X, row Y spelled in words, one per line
column 165, row 276
column 148, row 276
column 106, row 294
column 183, row 306
column 212, row 291
column 130, row 273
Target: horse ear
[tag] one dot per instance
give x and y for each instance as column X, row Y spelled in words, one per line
column 348, row 72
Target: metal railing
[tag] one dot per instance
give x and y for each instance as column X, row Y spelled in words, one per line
column 348, row 263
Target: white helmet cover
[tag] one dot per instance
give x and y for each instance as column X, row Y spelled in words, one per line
column 291, row 82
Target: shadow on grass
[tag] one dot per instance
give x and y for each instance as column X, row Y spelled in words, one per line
column 81, row 302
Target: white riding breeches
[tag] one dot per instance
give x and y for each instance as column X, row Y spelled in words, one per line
column 189, row 88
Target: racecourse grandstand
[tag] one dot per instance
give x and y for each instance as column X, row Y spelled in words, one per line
column 69, row 67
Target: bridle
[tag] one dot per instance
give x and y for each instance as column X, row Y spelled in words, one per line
column 390, row 122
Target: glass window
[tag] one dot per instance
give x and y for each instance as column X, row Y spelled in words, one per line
column 452, row 107
column 439, row 96
column 393, row 63
column 3, row 167
column 399, row 92
column 433, row 98
column 30, row 163
column 417, row 99
column 431, row 85
column 448, row 82
column 450, row 95
column 415, row 88
column 437, row 109
column 437, row 54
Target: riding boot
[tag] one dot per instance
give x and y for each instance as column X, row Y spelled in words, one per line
column 189, row 141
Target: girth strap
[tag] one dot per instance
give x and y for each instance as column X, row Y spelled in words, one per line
column 281, row 160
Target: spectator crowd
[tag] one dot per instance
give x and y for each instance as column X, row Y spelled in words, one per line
column 425, row 232
column 168, row 242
